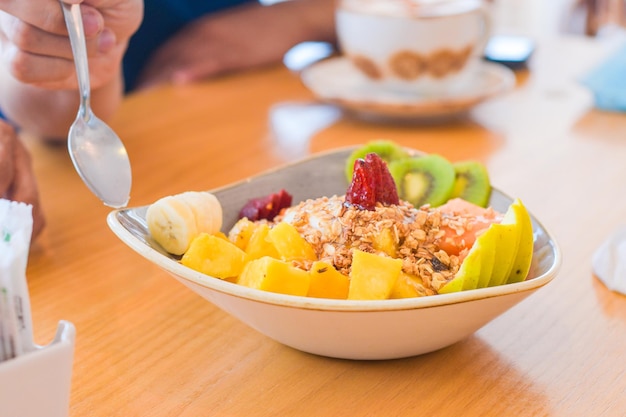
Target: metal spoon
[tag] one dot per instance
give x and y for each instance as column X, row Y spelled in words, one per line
column 98, row 154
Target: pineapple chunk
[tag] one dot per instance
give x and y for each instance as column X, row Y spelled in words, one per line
column 215, row 256
column 241, row 232
column 327, row 282
column 269, row 274
column 221, row 235
column 385, row 242
column 408, row 286
column 372, row 276
column 260, row 245
column 289, row 244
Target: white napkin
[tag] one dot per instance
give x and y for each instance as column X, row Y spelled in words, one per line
column 16, row 225
column 609, row 261
column 607, row 82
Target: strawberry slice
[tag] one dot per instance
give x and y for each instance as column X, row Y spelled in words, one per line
column 371, row 183
column 362, row 189
column 266, row 207
column 386, row 190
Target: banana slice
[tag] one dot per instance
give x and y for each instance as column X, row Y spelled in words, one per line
column 172, row 224
column 174, row 221
column 206, row 209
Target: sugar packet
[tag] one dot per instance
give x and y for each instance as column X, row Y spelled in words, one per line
column 16, row 225
column 609, row 261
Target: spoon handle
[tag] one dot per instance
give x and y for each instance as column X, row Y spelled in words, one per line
column 74, row 23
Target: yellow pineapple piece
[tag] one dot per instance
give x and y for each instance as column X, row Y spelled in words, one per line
column 408, row 286
column 327, row 282
column 260, row 245
column 289, row 244
column 241, row 232
column 222, row 235
column 270, row 274
column 372, row 276
column 385, row 242
column 215, row 256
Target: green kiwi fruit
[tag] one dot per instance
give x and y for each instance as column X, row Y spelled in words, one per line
column 425, row 179
column 386, row 149
column 472, row 183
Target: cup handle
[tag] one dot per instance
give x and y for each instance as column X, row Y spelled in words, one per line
column 486, row 21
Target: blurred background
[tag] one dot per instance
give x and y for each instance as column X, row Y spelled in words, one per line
column 549, row 17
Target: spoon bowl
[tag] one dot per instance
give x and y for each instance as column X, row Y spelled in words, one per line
column 98, row 154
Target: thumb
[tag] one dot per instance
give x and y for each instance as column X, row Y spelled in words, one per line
column 7, row 163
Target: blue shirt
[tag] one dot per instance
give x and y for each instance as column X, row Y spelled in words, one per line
column 162, row 19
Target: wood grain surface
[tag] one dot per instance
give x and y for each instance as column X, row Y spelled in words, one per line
column 147, row 346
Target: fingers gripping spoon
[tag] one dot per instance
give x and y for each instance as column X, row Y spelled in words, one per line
column 97, row 152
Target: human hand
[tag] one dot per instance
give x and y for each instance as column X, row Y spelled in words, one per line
column 244, row 37
column 17, row 179
column 35, row 47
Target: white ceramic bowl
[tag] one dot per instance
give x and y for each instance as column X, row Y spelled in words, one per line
column 350, row 329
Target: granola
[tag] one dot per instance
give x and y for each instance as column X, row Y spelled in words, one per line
column 335, row 228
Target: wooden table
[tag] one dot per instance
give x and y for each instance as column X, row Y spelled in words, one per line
column 147, row 346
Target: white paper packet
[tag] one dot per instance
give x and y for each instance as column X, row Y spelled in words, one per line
column 609, row 261
column 16, row 225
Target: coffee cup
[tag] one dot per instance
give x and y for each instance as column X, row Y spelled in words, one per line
column 414, row 46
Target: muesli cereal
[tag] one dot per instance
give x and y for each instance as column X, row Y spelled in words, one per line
column 335, row 228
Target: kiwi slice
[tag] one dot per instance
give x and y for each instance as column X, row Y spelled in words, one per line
column 472, row 183
column 422, row 180
column 386, row 149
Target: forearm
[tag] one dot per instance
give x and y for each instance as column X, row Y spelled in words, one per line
column 276, row 28
column 48, row 113
column 313, row 18
column 239, row 38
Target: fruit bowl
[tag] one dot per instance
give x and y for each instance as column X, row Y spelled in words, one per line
column 348, row 329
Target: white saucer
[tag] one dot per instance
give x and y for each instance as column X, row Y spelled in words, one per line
column 337, row 81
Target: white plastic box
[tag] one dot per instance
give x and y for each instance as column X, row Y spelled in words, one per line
column 37, row 383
